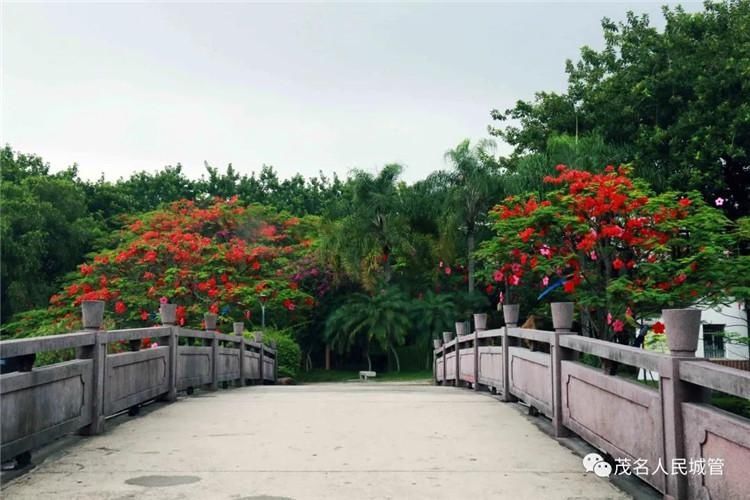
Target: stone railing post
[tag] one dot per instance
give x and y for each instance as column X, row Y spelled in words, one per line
column 562, row 321
column 510, row 314
column 168, row 314
column 480, row 324
column 460, row 330
column 445, row 365
column 210, row 322
column 238, row 327
column 275, row 348
column 435, row 346
column 682, row 330
column 261, row 356
column 92, row 317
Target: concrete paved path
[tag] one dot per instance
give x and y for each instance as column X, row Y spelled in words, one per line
column 347, row 441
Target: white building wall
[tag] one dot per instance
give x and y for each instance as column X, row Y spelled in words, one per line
column 735, row 319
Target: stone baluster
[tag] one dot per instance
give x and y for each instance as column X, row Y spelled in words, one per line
column 562, row 322
column 480, row 324
column 168, row 315
column 92, row 312
column 682, row 329
column 238, row 327
column 210, row 322
column 510, row 314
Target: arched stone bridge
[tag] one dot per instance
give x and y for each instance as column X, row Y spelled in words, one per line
column 214, row 428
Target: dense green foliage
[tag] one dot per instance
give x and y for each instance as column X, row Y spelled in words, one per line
column 678, row 100
column 288, row 351
column 46, row 229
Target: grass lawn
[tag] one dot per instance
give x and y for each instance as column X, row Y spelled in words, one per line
column 344, row 375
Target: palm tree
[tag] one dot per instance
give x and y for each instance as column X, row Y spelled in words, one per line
column 372, row 230
column 432, row 314
column 474, row 181
column 382, row 318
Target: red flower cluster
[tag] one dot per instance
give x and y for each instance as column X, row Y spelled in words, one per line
column 223, row 258
column 606, row 236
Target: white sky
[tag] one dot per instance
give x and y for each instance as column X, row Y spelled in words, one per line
column 118, row 88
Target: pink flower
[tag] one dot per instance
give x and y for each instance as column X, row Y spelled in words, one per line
column 448, row 271
column 154, row 345
column 593, row 255
column 514, row 280
column 545, row 250
column 618, row 325
column 609, row 318
column 501, row 297
column 719, row 201
column 441, row 264
column 498, row 276
column 545, row 281
column 163, row 300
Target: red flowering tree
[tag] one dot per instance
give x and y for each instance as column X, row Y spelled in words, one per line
column 221, row 257
column 616, row 249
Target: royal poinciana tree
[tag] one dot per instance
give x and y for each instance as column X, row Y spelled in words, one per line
column 219, row 256
column 612, row 246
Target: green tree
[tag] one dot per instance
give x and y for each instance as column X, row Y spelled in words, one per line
column 473, row 189
column 525, row 174
column 45, row 230
column 374, row 234
column 622, row 251
column 679, row 98
column 382, row 318
column 432, row 314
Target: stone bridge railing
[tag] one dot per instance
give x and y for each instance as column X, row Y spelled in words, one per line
column 672, row 424
column 39, row 405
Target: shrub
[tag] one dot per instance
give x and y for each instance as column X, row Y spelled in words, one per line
column 288, row 351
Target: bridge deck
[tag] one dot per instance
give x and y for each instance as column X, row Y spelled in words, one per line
column 349, row 441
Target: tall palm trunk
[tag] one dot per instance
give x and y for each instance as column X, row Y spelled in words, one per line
column 367, row 355
column 470, row 258
column 398, row 361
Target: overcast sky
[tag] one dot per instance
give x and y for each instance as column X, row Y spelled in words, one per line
column 118, row 88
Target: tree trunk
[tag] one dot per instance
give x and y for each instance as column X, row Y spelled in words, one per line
column 369, row 361
column 387, row 271
column 398, row 362
column 328, row 357
column 470, row 258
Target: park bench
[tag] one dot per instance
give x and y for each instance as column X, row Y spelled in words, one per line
column 364, row 375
